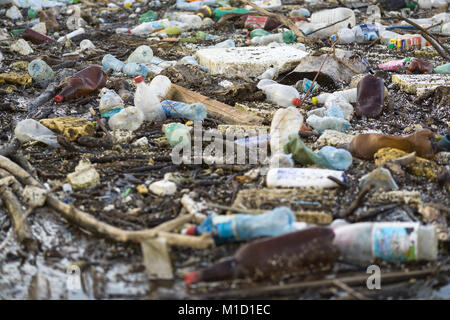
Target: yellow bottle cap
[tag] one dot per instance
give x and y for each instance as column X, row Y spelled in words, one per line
column 128, row 5
column 314, row 100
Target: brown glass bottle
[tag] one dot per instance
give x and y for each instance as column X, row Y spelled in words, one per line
column 418, row 66
column 204, row 12
column 370, row 96
column 36, row 37
column 296, row 251
column 255, row 22
column 49, row 18
column 365, row 145
column 83, row 83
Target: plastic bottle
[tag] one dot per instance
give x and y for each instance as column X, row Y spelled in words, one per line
column 370, row 96
column 284, row 123
column 111, row 62
column 346, row 35
column 225, row 44
column 259, row 33
column 110, row 103
column 302, row 12
column 244, row 227
column 301, row 250
column 256, row 22
column 146, row 101
column 192, row 60
column 149, row 27
column 367, row 32
column 303, row 177
column 71, row 35
column 330, row 16
column 365, row 145
column 387, row 35
column 40, row 71
column 193, row 5
column 160, row 86
column 36, row 37
column 142, row 54
column 270, row 73
column 130, row 119
column 194, row 21
column 418, row 66
column 83, row 83
column 204, row 36
column 14, row 13
column 176, row 109
column 337, row 159
column 393, row 65
column 373, row 13
column 281, row 95
column 284, row 37
column 135, row 69
column 177, row 133
column 321, row 124
column 306, row 84
column 31, row 130
column 148, row 16
column 219, row 12
column 391, row 241
column 445, row 69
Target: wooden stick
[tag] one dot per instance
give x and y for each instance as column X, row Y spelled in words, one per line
column 345, row 64
column 356, row 203
column 349, row 290
column 282, row 19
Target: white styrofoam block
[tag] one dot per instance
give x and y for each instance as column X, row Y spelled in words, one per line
column 249, row 61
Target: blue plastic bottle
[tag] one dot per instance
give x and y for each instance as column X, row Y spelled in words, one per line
column 338, row 159
column 111, row 62
column 328, row 123
column 175, row 109
column 244, row 227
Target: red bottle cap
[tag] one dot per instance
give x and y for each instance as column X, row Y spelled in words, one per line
column 190, row 231
column 305, row 128
column 191, row 278
column 139, row 79
column 296, row 102
column 59, row 98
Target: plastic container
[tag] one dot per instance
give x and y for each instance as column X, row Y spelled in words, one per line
column 337, row 159
column 284, row 123
column 281, row 95
column 135, row 69
column 194, row 21
column 303, row 177
column 445, row 69
column 110, row 103
column 36, row 37
column 367, row 32
column 244, row 227
column 225, row 44
column 72, row 34
column 346, row 35
column 31, row 130
column 370, row 95
column 193, row 5
column 142, row 54
column 285, row 37
column 111, row 62
column 177, row 133
column 130, row 119
column 391, row 241
column 149, row 27
column 321, row 124
column 270, row 73
column 220, row 12
column 296, row 251
column 176, row 109
column 302, row 12
column 160, row 86
column 40, row 71
column 330, row 16
column 83, row 83
column 146, row 101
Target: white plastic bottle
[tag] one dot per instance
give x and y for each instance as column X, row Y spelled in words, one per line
column 130, row 118
column 346, row 35
column 282, row 95
column 269, row 73
column 142, row 54
column 147, row 101
column 303, row 177
column 264, row 40
column 160, row 86
column 390, row 241
column 149, row 27
column 193, row 20
column 284, row 123
column 330, row 16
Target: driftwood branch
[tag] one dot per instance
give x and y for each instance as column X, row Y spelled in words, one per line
column 301, row 37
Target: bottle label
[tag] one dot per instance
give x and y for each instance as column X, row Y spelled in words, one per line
column 253, row 22
column 109, row 113
column 369, row 32
column 391, row 65
column 169, row 107
column 224, row 227
column 395, row 243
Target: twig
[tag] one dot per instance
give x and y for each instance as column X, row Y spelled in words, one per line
column 339, row 182
column 357, row 202
column 345, row 63
column 440, row 48
column 373, row 212
column 330, row 25
column 349, row 290
column 100, row 123
column 15, row 230
column 374, row 42
column 288, row 23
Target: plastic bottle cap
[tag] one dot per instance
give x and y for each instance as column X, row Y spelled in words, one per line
column 138, row 79
column 59, row 98
column 191, row 278
column 296, row 102
column 314, row 100
column 190, row 231
column 128, row 5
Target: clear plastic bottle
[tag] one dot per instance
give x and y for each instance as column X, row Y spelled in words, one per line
column 72, row 35
column 111, row 62
column 281, row 95
column 284, row 123
column 337, row 159
column 391, row 241
column 110, row 103
column 244, row 227
column 194, row 21
column 302, row 12
column 130, row 119
column 135, row 69
column 270, row 73
column 160, row 86
column 40, row 71
column 149, row 27
column 367, row 32
column 142, row 54
column 146, row 101
column 193, row 5
column 284, row 37
column 327, row 123
column 176, row 109
column 330, row 16
column 303, row 177
column 31, row 130
column 346, row 35
column 14, row 13
column 177, row 133
column 373, row 13
column 225, row 44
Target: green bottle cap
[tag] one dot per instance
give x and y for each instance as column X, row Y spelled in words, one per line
column 288, row 37
column 391, row 46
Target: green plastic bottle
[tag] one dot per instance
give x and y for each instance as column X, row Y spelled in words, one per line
column 32, row 13
column 258, row 33
column 445, row 69
column 17, row 31
column 148, row 16
column 204, row 36
column 177, row 133
column 219, row 12
column 411, row 4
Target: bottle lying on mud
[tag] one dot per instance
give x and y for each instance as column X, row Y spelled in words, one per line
column 244, row 227
column 83, row 83
column 297, row 251
column 36, row 37
column 390, row 241
column 370, row 95
column 303, row 177
column 365, row 145
column 176, row 109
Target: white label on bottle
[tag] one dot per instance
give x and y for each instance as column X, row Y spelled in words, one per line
column 303, row 177
column 395, row 242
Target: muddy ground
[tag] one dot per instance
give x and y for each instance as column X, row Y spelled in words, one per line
column 111, row 270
